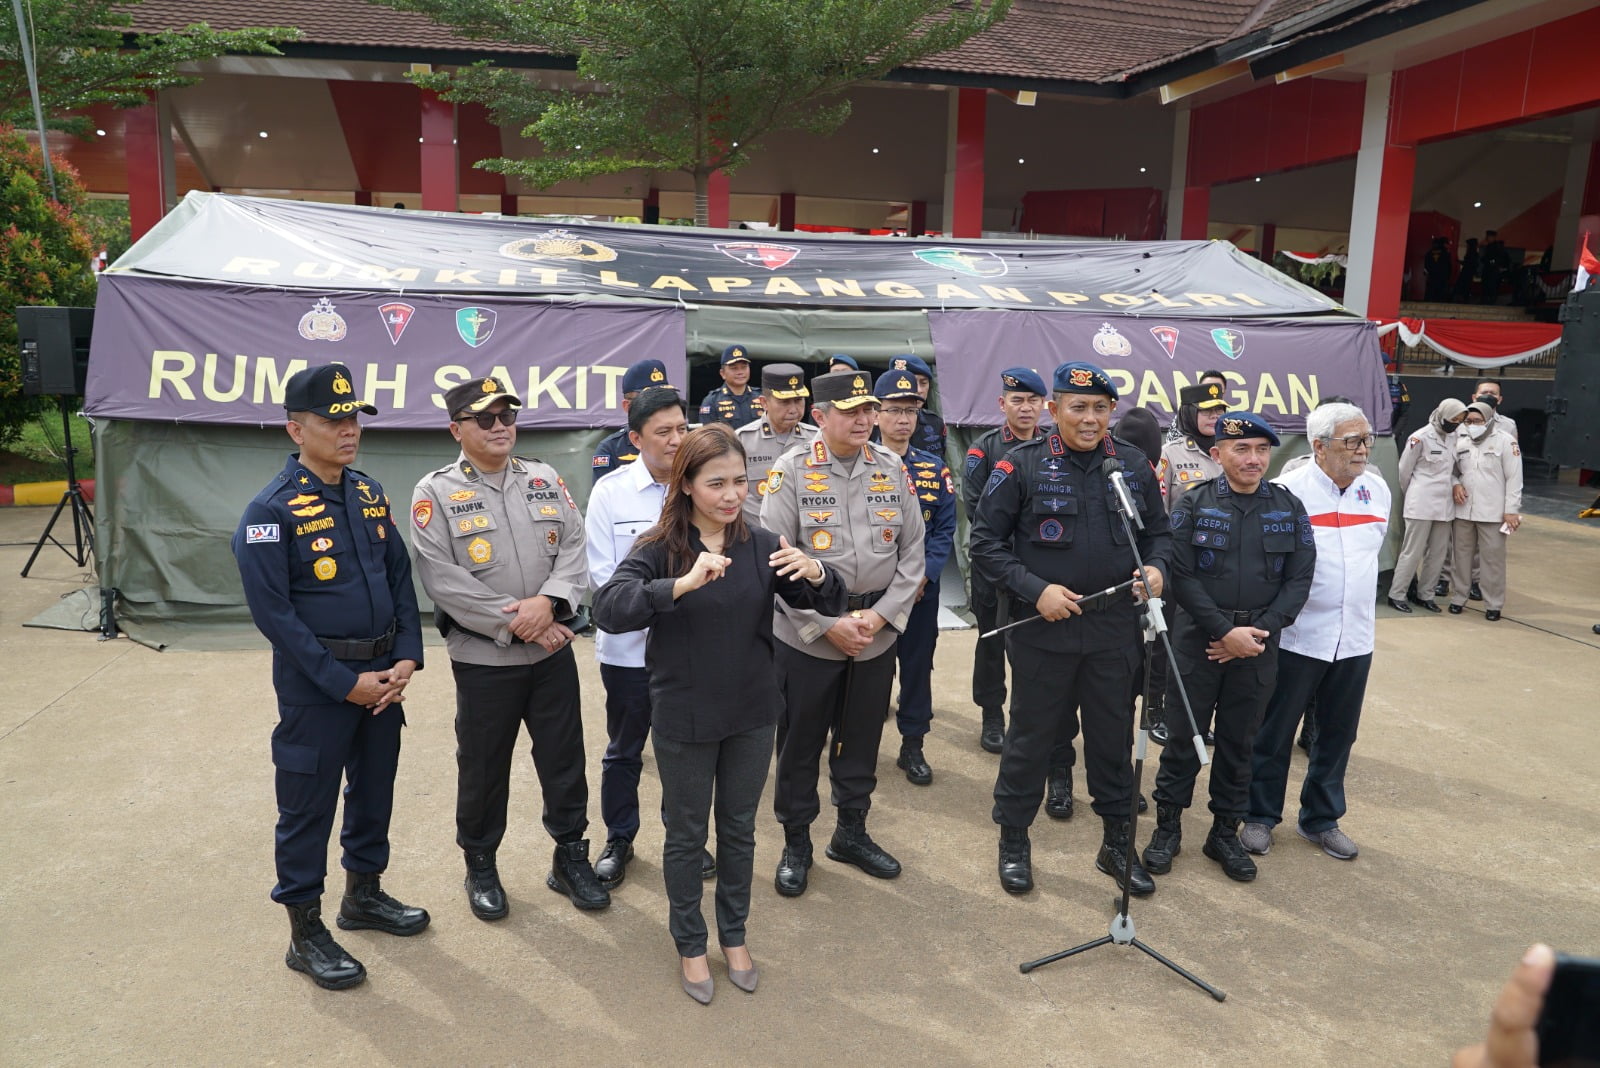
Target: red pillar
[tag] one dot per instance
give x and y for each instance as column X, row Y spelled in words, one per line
column 147, row 198
column 1393, row 221
column 717, row 200
column 1269, row 242
column 786, row 211
column 1196, row 212
column 917, row 219
column 964, row 175
column 363, row 198
column 652, row 207
column 508, row 203
column 438, row 153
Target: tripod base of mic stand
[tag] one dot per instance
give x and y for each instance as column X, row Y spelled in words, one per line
column 1122, row 934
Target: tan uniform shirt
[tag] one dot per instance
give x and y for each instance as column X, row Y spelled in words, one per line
column 1491, row 471
column 761, row 451
column 487, row 540
column 1184, row 464
column 1427, row 473
column 858, row 516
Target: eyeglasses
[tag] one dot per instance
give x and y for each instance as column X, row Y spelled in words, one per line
column 899, row 413
column 1358, row 441
column 486, row 420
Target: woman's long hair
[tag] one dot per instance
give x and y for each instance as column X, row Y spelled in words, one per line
column 676, row 525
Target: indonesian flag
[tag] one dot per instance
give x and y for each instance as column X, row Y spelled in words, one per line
column 1587, row 266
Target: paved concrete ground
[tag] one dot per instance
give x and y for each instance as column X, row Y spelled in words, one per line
column 137, row 838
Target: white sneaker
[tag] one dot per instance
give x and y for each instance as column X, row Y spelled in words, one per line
column 1256, row 838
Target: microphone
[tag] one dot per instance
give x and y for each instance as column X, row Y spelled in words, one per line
column 1119, row 489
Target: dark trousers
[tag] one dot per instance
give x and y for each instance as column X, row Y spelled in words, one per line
column 1339, row 688
column 1046, row 688
column 726, row 776
column 491, row 704
column 627, row 727
column 313, row 748
column 813, row 689
column 1231, row 696
column 914, row 648
column 989, row 657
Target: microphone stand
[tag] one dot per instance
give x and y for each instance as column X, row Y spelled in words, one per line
column 1121, row 931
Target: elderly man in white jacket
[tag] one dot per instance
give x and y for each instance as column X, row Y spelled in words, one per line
column 1427, row 476
column 1488, row 497
column 1327, row 653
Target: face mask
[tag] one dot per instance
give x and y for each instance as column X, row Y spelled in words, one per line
column 1488, row 398
column 1476, row 432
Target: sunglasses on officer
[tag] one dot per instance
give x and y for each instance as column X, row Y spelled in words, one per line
column 486, row 420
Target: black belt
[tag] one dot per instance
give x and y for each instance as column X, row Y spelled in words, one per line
column 857, row 601
column 1244, row 619
column 360, row 648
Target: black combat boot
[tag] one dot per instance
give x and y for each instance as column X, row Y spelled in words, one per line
column 851, row 844
column 485, row 895
column 1166, row 841
column 1223, row 846
column 1058, row 798
column 571, row 874
column 312, row 950
column 913, row 763
column 794, row 866
column 993, row 738
column 1114, row 846
column 365, row 905
column 1016, row 860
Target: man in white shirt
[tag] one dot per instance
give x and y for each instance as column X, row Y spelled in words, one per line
column 623, row 505
column 1327, row 653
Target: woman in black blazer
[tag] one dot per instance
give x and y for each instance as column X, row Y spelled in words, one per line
column 703, row 581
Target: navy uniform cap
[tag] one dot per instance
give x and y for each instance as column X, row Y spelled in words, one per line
column 1021, row 380
column 846, row 390
column 1080, row 377
column 478, row 394
column 784, row 381
column 896, row 385
column 848, row 361
column 326, row 391
column 910, row 363
column 643, row 375
column 1243, row 425
column 733, row 354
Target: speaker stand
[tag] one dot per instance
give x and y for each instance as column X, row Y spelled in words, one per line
column 82, row 517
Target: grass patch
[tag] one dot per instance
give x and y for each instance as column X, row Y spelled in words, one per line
column 39, row 449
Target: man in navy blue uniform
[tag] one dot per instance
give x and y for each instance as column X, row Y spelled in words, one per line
column 1242, row 560
column 1048, row 536
column 616, row 448
column 328, row 583
column 734, row 401
column 931, row 431
column 930, row 481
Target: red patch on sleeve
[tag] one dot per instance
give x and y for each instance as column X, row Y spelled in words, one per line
column 1005, row 465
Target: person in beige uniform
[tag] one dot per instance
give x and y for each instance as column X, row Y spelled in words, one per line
column 1488, row 497
column 775, row 431
column 499, row 547
column 1186, row 461
column 848, row 503
column 1427, row 476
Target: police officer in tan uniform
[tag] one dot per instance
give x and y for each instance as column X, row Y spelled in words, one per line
column 848, row 503
column 775, row 431
column 1186, row 461
column 499, row 545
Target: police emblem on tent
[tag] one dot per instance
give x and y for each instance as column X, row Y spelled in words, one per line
column 1167, row 337
column 967, row 261
column 759, row 253
column 395, row 316
column 1107, row 342
column 475, row 325
column 1229, row 342
column 322, row 323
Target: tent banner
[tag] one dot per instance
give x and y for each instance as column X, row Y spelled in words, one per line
column 259, row 241
column 1279, row 369
column 175, row 350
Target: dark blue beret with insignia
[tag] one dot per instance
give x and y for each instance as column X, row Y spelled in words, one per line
column 1079, row 377
column 848, row 361
column 1243, row 425
column 908, row 362
column 1021, row 380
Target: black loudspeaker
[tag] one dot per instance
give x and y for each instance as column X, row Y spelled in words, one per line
column 55, row 350
column 1573, row 436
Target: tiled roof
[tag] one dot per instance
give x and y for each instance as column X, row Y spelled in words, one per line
column 1094, row 41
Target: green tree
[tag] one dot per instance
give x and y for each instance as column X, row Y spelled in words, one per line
column 688, row 85
column 44, row 259
column 81, row 53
